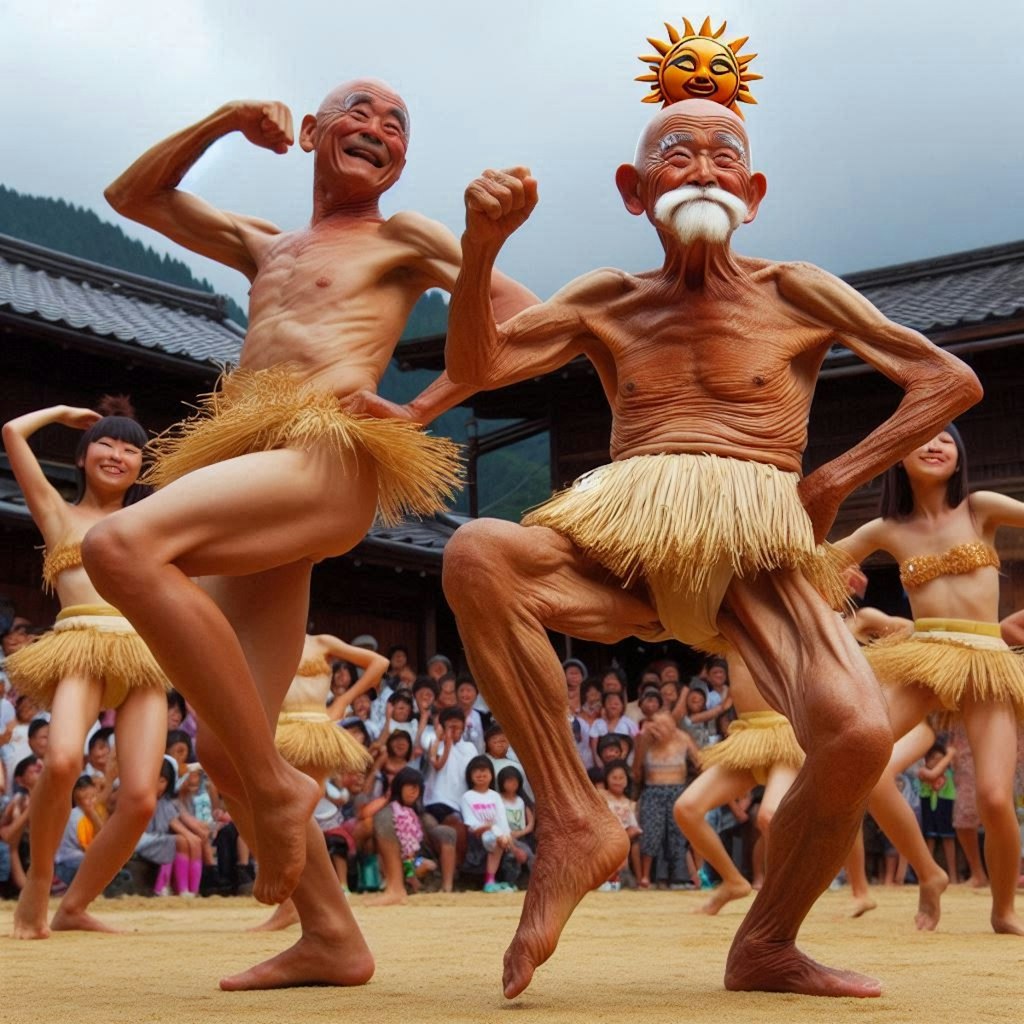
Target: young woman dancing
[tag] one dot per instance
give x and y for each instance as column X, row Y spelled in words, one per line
column 92, row 659
column 955, row 660
column 307, row 734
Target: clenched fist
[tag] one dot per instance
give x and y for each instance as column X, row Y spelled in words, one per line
column 265, row 123
column 498, row 202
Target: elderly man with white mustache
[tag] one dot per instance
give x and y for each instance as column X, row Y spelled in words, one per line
column 700, row 528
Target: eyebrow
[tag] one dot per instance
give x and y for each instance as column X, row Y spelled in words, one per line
column 733, row 142
column 674, row 139
column 355, row 98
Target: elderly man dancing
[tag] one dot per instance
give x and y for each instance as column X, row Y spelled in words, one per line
column 700, row 528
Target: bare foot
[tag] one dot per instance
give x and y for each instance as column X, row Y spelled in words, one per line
column 284, row 916
column 725, row 893
column 341, row 960
column 387, row 898
column 80, row 921
column 571, row 861
column 929, row 902
column 279, row 820
column 1010, row 924
column 781, row 967
column 32, row 910
column 979, row 884
column 860, row 905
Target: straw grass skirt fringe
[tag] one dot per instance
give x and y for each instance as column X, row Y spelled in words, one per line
column 264, row 410
column 311, row 742
column 686, row 525
column 954, row 658
column 87, row 642
column 757, row 741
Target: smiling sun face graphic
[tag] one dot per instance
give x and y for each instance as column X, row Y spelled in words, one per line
column 695, row 65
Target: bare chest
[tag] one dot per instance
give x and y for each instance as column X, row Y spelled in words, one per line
column 306, row 272
column 738, row 352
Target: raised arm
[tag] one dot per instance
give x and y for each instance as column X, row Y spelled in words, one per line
column 41, row 497
column 937, row 386
column 374, row 665
column 537, row 340
column 994, row 510
column 148, row 191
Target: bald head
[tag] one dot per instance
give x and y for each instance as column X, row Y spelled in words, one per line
column 678, row 119
column 359, row 90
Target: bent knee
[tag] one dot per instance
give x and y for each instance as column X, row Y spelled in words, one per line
column 111, row 552
column 137, row 806
column 994, row 800
column 63, row 767
column 474, row 557
column 687, row 811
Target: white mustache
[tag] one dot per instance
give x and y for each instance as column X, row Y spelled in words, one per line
column 692, row 213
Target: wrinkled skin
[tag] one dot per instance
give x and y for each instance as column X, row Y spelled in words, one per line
column 331, row 300
column 711, row 352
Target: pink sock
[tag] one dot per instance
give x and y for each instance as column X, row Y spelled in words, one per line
column 488, row 878
column 180, row 873
column 163, row 879
column 195, row 874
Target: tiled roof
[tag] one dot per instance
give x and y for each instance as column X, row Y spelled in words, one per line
column 425, row 537
column 959, row 290
column 49, row 286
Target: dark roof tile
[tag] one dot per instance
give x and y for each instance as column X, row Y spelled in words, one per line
column 50, row 286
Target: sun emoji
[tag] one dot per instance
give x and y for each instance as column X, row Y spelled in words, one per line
column 695, row 65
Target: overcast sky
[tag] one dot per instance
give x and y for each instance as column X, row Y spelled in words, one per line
column 889, row 130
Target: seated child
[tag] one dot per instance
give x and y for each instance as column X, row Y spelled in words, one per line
column 615, row 792
column 168, row 844
column 486, row 823
column 519, row 815
column 80, row 830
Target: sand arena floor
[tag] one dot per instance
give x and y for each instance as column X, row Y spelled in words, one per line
column 625, row 957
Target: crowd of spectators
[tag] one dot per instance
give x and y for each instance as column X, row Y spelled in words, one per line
column 446, row 802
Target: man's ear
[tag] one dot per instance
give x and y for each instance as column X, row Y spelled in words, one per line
column 757, row 189
column 307, row 133
column 627, row 180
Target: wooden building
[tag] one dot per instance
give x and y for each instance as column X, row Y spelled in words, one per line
column 72, row 330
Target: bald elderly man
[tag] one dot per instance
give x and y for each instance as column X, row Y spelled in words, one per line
column 700, row 528
column 283, row 468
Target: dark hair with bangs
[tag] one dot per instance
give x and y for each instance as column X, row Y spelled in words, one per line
column 119, row 424
column 897, row 501
column 406, row 777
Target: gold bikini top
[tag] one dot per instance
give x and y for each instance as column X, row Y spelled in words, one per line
column 313, row 667
column 63, row 556
column 957, row 560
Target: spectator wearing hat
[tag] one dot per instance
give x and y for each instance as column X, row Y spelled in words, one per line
column 438, row 665
column 575, row 672
column 366, row 641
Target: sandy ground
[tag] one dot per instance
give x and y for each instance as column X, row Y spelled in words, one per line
column 625, row 957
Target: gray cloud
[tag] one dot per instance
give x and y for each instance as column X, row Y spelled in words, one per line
column 888, row 131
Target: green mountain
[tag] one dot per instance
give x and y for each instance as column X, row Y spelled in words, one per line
column 80, row 232
column 511, row 480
